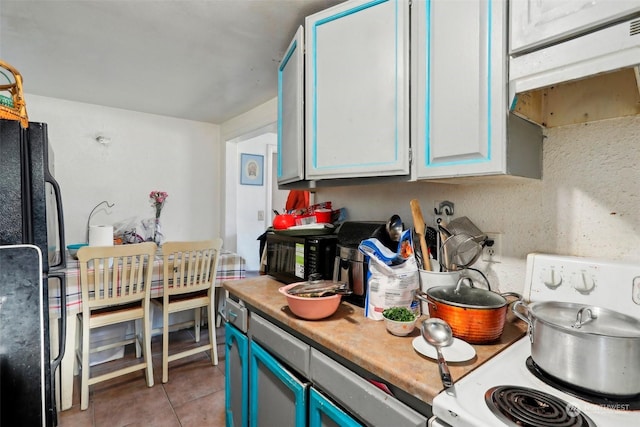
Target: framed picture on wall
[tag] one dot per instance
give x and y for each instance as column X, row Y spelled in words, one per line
column 251, row 169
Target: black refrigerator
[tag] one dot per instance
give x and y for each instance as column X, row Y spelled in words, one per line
column 32, row 256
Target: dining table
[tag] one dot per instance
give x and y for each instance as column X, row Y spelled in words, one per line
column 231, row 266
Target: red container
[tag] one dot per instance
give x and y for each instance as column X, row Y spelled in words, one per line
column 323, row 216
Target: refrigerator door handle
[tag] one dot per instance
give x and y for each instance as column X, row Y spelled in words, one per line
column 63, row 257
column 62, row 334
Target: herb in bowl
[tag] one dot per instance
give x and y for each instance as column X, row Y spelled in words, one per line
column 399, row 314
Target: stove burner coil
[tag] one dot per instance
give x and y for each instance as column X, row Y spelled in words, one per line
column 521, row 406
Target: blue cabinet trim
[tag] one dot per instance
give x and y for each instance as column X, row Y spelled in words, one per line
column 314, row 86
column 427, row 117
column 281, row 68
column 259, row 355
column 427, row 86
column 234, row 337
column 489, row 76
column 319, row 405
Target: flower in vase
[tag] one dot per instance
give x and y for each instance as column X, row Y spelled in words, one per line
column 157, row 200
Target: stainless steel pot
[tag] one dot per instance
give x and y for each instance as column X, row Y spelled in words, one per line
column 588, row 347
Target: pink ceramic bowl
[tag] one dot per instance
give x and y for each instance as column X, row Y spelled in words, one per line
column 311, row 308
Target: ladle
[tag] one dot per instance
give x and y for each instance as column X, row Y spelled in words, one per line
column 394, row 228
column 438, row 333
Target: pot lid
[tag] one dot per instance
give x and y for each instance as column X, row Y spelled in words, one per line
column 467, row 296
column 587, row 319
column 318, row 288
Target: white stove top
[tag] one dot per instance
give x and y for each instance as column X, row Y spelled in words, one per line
column 464, row 406
column 607, row 284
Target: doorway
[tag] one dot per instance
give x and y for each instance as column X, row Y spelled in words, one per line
column 249, row 208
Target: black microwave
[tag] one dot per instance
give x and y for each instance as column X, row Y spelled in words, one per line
column 294, row 258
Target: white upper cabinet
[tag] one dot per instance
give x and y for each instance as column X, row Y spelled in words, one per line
column 459, row 80
column 536, row 23
column 357, row 90
column 291, row 112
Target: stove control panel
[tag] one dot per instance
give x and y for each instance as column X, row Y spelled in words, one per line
column 605, row 283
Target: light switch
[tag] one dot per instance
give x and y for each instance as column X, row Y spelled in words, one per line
column 260, row 215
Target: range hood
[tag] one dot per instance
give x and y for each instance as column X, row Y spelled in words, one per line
column 613, row 51
column 606, row 50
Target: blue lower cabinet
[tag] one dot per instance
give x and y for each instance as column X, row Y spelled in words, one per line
column 277, row 397
column 236, row 377
column 324, row 413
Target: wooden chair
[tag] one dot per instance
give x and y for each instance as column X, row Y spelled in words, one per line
column 190, row 270
column 116, row 288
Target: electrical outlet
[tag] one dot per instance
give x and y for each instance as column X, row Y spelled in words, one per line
column 493, row 253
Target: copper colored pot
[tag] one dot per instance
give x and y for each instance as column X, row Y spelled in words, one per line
column 475, row 315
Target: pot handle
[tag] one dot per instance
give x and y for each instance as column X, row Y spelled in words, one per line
column 515, row 295
column 423, row 296
column 466, row 280
column 591, row 316
column 524, row 316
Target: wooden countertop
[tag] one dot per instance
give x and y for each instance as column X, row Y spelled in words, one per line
column 366, row 343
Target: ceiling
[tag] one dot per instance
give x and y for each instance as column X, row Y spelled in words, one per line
column 203, row 60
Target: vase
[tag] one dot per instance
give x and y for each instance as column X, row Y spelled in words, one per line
column 157, row 233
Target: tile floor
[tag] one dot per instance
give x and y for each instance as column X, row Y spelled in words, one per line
column 194, row 395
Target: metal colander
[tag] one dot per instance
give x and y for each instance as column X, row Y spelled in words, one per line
column 459, row 251
column 463, row 226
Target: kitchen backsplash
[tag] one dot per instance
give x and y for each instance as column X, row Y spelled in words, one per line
column 587, row 204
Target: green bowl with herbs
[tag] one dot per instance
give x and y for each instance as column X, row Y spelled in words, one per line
column 400, row 321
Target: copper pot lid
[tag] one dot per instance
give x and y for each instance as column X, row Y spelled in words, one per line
column 467, row 296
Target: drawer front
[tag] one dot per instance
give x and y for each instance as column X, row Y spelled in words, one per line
column 236, row 314
column 359, row 397
column 285, row 346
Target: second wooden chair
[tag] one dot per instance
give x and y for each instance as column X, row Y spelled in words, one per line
column 189, row 284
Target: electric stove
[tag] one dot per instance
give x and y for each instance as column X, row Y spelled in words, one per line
column 510, row 390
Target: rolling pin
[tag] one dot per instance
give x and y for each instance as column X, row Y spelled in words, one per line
column 419, row 226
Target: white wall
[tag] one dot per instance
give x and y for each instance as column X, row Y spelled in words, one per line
column 587, row 204
column 147, row 152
